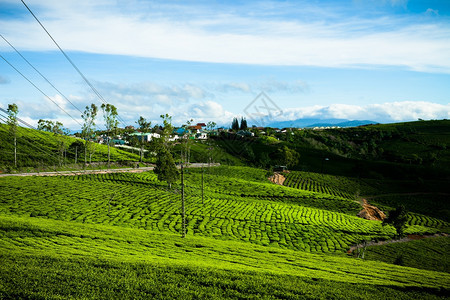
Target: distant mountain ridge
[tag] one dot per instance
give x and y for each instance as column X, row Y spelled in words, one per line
column 312, row 122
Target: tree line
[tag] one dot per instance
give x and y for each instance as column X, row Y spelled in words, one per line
column 161, row 146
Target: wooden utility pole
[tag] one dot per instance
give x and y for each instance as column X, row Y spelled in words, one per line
column 182, row 203
column 76, row 154
column 203, row 172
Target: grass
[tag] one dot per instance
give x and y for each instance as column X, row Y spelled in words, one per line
column 260, row 213
column 39, row 150
column 428, row 254
column 118, row 235
column 57, row 259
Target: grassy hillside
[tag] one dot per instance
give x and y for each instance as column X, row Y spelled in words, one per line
column 118, row 235
column 48, row 258
column 39, row 149
column 413, row 150
column 429, row 254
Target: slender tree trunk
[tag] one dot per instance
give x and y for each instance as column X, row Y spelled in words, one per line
column 108, row 155
column 15, row 151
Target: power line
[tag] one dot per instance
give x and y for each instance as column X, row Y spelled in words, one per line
column 48, row 81
column 45, row 78
column 70, row 61
column 39, row 89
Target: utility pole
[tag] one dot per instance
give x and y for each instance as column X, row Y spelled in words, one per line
column 182, row 203
column 203, row 172
column 76, row 154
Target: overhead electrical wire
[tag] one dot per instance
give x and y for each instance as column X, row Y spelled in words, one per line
column 71, row 62
column 49, row 154
column 45, row 78
column 26, row 78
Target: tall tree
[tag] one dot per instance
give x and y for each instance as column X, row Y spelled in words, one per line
column 87, row 130
column 210, row 126
column 235, row 124
column 13, row 110
column 398, row 219
column 243, row 124
column 165, row 164
column 144, row 127
column 111, row 123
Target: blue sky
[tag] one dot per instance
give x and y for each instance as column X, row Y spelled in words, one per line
column 384, row 60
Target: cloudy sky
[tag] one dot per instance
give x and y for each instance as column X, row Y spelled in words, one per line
column 380, row 60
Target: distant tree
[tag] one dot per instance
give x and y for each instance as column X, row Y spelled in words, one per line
column 87, row 130
column 243, row 124
column 186, row 142
column 235, row 124
column 75, row 146
column 289, row 157
column 50, row 126
column 144, row 127
column 111, row 122
column 59, row 130
column 397, row 218
column 210, row 126
column 13, row 110
column 45, row 125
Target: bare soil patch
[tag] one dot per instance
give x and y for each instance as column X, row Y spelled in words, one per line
column 277, row 178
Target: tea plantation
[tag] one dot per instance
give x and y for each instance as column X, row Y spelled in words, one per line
column 119, row 235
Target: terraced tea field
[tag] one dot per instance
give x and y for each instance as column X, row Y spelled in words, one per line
column 118, row 235
column 261, row 212
column 328, row 184
column 45, row 258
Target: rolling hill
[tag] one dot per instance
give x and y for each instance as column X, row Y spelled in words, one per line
column 118, row 235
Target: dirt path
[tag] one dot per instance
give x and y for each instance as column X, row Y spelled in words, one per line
column 409, row 238
column 101, row 171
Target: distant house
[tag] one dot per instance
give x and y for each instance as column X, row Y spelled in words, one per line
column 195, row 127
column 146, row 137
column 245, row 133
column 280, row 168
column 201, row 136
column 118, row 142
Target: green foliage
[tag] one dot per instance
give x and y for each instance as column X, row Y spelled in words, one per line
column 428, row 254
column 87, row 130
column 239, row 204
column 289, row 157
column 397, row 218
column 40, row 150
column 249, row 238
column 47, row 258
column 165, row 167
column 12, row 111
column 243, row 125
column 235, row 125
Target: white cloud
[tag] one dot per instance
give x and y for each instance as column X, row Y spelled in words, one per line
column 177, row 32
column 384, row 112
